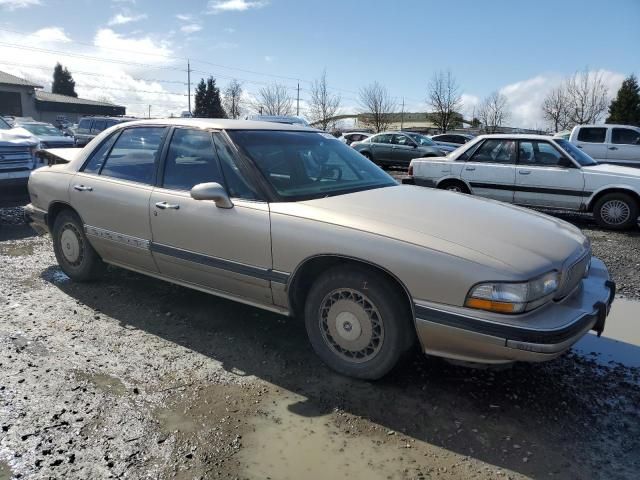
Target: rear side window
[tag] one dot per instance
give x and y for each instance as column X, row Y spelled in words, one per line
column 592, row 134
column 625, row 136
column 496, row 151
column 383, row 138
column 134, row 155
column 190, row 160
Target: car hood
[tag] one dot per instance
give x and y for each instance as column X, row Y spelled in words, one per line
column 483, row 231
column 17, row 137
column 615, row 170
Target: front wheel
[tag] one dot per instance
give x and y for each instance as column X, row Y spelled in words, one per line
column 617, row 211
column 74, row 253
column 357, row 322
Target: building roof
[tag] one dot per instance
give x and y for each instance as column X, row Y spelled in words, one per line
column 58, row 98
column 8, row 79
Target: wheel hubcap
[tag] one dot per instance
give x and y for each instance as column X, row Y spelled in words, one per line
column 71, row 245
column 615, row 212
column 351, row 325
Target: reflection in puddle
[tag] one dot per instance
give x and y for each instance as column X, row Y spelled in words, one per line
column 620, row 341
column 285, row 445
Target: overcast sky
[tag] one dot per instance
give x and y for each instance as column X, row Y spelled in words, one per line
column 134, row 52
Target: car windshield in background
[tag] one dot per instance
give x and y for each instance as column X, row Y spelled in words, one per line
column 41, row 130
column 577, row 154
column 4, row 125
column 422, row 140
column 307, row 165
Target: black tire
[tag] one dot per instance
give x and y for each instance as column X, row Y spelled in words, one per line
column 381, row 322
column 74, row 253
column 616, row 211
column 367, row 155
column 454, row 186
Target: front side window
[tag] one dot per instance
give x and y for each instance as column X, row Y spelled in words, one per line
column 625, row 136
column 98, row 126
column 592, row 134
column 308, row 165
column 237, row 184
column 95, row 163
column 541, row 154
column 191, row 160
column 496, row 151
column 84, row 125
column 402, row 140
column 422, row 140
column 382, row 138
column 134, row 155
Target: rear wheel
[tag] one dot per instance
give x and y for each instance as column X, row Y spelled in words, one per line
column 75, row 255
column 454, row 186
column 616, row 211
column 357, row 322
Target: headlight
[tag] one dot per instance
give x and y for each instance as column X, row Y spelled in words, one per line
column 505, row 297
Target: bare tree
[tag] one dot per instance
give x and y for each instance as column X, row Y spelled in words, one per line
column 274, row 100
column 445, row 99
column 233, row 99
column 323, row 105
column 555, row 108
column 587, row 97
column 377, row 106
column 493, row 111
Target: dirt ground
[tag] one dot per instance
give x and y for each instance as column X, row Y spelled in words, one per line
column 131, row 377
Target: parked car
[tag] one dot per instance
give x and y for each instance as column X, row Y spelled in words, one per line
column 89, row 127
column 285, row 119
column 537, row 171
column 452, row 139
column 617, row 144
column 351, row 137
column 48, row 135
column 17, row 160
column 396, row 148
column 290, row 220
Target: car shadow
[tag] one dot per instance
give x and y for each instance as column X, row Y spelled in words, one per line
column 534, row 419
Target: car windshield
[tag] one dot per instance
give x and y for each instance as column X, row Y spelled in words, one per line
column 41, row 129
column 4, row 125
column 422, row 140
column 577, row 154
column 308, row 165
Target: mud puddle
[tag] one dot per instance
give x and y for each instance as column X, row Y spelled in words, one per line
column 620, row 341
column 104, row 382
column 17, row 250
column 284, row 445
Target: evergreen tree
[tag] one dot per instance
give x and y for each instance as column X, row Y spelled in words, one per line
column 200, row 109
column 625, row 108
column 63, row 82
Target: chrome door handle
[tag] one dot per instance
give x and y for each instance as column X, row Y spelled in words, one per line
column 524, row 172
column 470, row 168
column 613, row 148
column 83, row 188
column 165, row 205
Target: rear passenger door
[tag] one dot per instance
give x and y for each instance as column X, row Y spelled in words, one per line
column 111, row 193
column 593, row 141
column 381, row 148
column 546, row 178
column 490, row 171
column 194, row 241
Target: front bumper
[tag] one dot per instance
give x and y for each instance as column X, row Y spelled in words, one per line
column 542, row 334
column 36, row 218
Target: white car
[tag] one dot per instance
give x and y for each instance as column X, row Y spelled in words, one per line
column 607, row 143
column 351, row 137
column 536, row 171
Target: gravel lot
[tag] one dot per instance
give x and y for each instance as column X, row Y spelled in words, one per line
column 131, row 377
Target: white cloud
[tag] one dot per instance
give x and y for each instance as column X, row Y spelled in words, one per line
column 184, row 17
column 469, row 103
column 123, row 18
column 52, row 35
column 16, row 4
column 190, row 28
column 141, row 49
column 269, row 58
column 229, row 30
column 219, row 6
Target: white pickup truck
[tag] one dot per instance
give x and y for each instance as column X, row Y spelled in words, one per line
column 617, row 144
column 536, row 171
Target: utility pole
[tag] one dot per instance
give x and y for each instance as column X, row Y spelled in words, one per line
column 298, row 102
column 189, row 84
column 402, row 116
column 149, row 111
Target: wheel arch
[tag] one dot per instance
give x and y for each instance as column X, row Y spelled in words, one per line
column 451, row 178
column 302, row 278
column 595, row 196
column 54, row 210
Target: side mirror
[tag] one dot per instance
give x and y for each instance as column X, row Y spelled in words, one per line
column 212, row 191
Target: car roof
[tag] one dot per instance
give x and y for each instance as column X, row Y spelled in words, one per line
column 222, row 124
column 516, row 136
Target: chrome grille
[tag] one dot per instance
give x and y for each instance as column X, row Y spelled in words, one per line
column 15, row 158
column 573, row 276
column 57, row 144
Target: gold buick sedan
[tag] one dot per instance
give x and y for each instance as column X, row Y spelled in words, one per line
column 289, row 219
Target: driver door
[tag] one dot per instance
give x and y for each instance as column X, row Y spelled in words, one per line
column 404, row 149
column 194, row 241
